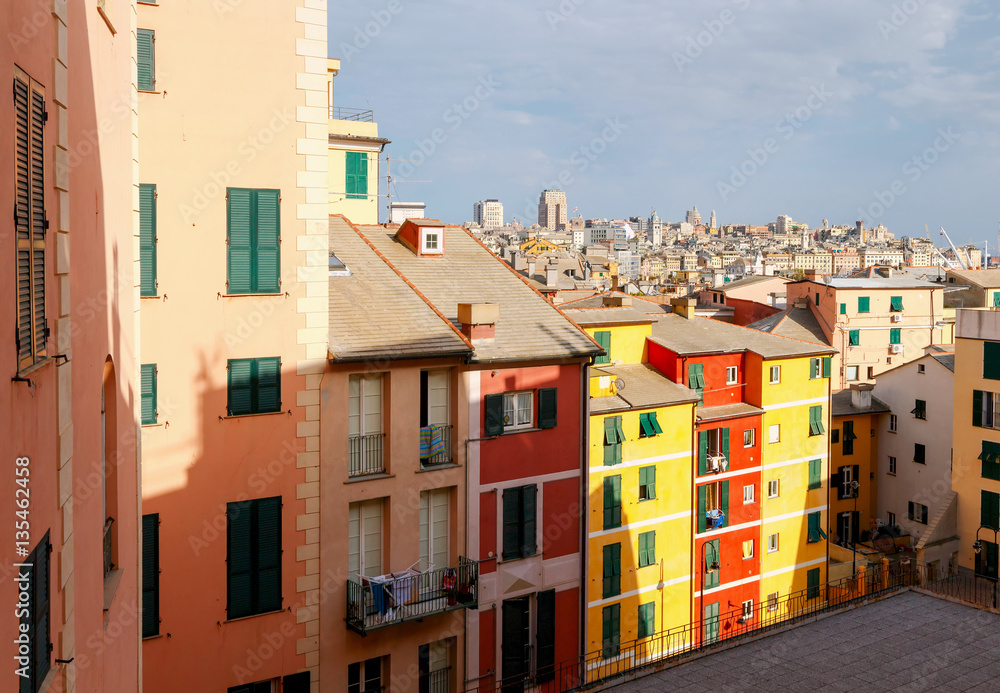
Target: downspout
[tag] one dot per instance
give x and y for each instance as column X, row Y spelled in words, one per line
column 829, row 461
column 467, row 495
column 584, row 498
column 694, row 504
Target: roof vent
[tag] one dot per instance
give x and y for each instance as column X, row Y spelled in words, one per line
column 478, row 320
column 861, row 395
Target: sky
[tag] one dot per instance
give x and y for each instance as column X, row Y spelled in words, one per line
column 874, row 110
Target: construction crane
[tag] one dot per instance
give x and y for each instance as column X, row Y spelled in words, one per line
column 948, row 263
column 954, row 250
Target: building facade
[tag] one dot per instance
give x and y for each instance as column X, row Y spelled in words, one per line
column 552, row 209
column 488, row 214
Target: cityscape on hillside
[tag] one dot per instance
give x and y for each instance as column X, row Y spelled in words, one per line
column 270, row 429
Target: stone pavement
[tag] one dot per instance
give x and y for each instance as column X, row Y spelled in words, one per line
column 909, row 642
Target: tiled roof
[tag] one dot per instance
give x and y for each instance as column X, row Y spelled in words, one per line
column 607, row 316
column 946, row 360
column 706, row 336
column 529, row 327
column 643, row 387
column 749, row 281
column 728, row 411
column 374, row 314
column 794, row 323
column 988, row 279
column 894, row 282
column 840, row 405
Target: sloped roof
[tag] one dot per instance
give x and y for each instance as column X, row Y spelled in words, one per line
column 840, row 405
column 794, row 323
column 644, row 388
column 707, row 336
column 750, row 281
column 987, row 279
column 373, row 297
column 728, row 411
column 607, row 316
column 946, row 360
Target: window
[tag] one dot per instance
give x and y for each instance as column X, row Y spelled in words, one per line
column 812, row 584
column 847, row 527
column 696, row 379
column 773, row 488
column 713, row 564
column 732, row 376
column 519, row 540
column 748, row 549
column 647, row 483
column 989, row 510
column 648, row 425
column 849, row 438
column 772, row 598
column 919, row 452
column 515, row 638
column 819, row 367
column 150, row 575
column 545, row 635
column 921, row 369
column 749, row 437
column 748, row 604
column 647, row 620
column 647, row 549
column 851, row 373
column 834, row 436
column 843, row 309
column 920, row 409
column 748, row 494
column 991, row 360
column 713, row 506
column 917, row 512
column 892, row 423
column 871, row 372
column 844, row 479
column 614, row 436
column 364, row 538
column 816, row 420
column 773, row 433
column 713, row 450
column 775, row 375
column 892, row 465
column 895, row 335
column 145, row 40
column 254, row 386
column 612, row 560
column 435, row 506
column 603, row 339
column 430, row 242
column 364, row 425
column 890, row 518
column 815, row 527
column 253, row 241
column 30, row 220
column 147, row 239
column 35, row 621
column 986, row 408
column 517, row 410
column 356, row 182
column 990, row 457
column 433, row 664
column 896, row 304
column 365, row 677
column 612, row 501
column 256, row 687
column 253, row 557
column 772, row 542
column 611, row 621
column 853, row 337
column 863, row 304
column 817, row 298
column 147, row 387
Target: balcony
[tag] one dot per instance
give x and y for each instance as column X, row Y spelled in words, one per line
column 365, row 455
column 436, row 681
column 435, row 445
column 388, row 600
column 357, row 114
column 108, row 564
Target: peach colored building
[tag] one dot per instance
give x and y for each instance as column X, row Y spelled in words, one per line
column 233, row 239
column 68, row 417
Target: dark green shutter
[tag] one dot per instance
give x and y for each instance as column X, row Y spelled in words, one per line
column 863, row 304
column 38, row 623
column 647, row 549
column 815, row 474
column 514, row 639
column 612, row 502
column 647, row 483
column 603, row 339
column 296, row 683
column 239, row 215
column 528, row 522
column 991, row 360
column 645, row 428
column 494, row 414
column 724, row 503
column 989, row 509
column 702, row 508
column 854, row 337
column 813, row 368
column 996, row 299
column 843, row 309
column 610, row 631
column 357, row 175
column 612, row 570
column 725, row 442
column 712, row 555
column 147, row 239
column 150, row 575
column 239, row 561
column 826, row 366
column 647, row 620
column 268, row 548
column 267, row 242
column 812, row 583
column 702, row 452
column 240, row 387
column 816, row 420
column 654, row 422
column 977, row 405
column 145, row 59
column 895, row 335
column 268, row 385
column 896, row 304
column 545, row 636
column 547, row 407
column 990, row 457
column 511, row 523
column 147, row 387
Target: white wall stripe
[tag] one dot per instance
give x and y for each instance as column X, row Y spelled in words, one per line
column 641, row 463
column 641, row 590
column 726, row 530
column 797, row 403
column 729, row 475
column 790, row 568
column 640, row 524
column 726, row 586
column 797, row 513
column 788, row 463
column 541, row 479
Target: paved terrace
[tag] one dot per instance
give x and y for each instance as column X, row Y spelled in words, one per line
column 907, row 642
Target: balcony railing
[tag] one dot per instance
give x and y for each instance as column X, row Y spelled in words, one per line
column 377, row 602
column 359, row 114
column 108, row 565
column 365, row 455
column 435, row 445
column 436, row 681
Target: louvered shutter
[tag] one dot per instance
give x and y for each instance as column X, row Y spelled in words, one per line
column 38, row 223
column 268, row 544
column 351, row 174
column 725, row 442
column 267, row 242
column 150, row 575
column 268, row 385
column 724, row 504
column 361, row 186
column 239, row 208
column 977, row 405
column 146, row 75
column 493, row 405
column 22, row 216
column 511, row 523
column 529, row 544
column 147, row 387
column 147, row 239
column 547, row 407
column 240, row 387
column 545, row 636
column 239, row 562
column 702, row 452
column 826, row 365
column 702, row 508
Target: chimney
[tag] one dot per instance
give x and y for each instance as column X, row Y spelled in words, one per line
column 518, row 260
column 861, row 395
column 478, row 320
column 617, row 301
column 684, row 307
column 531, row 268
column 552, row 277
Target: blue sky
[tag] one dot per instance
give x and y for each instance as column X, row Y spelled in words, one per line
column 855, row 109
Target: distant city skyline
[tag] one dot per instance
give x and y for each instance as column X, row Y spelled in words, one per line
column 730, row 105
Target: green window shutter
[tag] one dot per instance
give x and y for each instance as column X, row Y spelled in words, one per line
column 991, row 360
column 351, row 174
column 702, row 452
column 815, row 474
column 996, row 299
column 647, row 549
column 147, row 387
column 813, row 369
column 896, row 304
column 977, row 405
column 647, row 483
column 529, row 542
column 619, row 430
column 240, row 391
column 612, row 570
column 990, row 457
column 863, row 304
column 843, row 309
column 702, row 508
column 895, row 335
column 145, row 52
column 147, row 239
column 493, row 404
column 239, row 560
column 826, row 366
column 603, row 339
column 511, row 523
column 854, row 337
column 357, row 175
column 612, row 502
column 267, row 242
column 239, row 238
column 268, row 385
column 647, row 620
column 545, row 635
column 645, row 426
column 611, row 624
column 989, row 509
column 816, row 420
column 696, row 376
column 724, row 503
column 268, row 559
column 712, row 579
column 812, row 584
column 610, row 435
column 150, row 575
column 547, row 407
column 813, row 527
column 725, row 441
column 654, row 422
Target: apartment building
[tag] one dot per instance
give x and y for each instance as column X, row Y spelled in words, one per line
column 488, row 214
column 233, row 204
column 976, row 441
column 975, row 288
column 552, row 210
column 71, row 573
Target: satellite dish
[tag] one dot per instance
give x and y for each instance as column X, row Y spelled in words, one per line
column 619, row 383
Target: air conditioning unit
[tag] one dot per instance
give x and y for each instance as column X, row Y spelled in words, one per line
column 895, row 348
column 896, row 317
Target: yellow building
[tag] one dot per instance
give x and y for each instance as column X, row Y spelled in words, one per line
column 537, row 246
column 976, row 439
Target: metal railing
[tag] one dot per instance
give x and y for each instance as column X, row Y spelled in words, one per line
column 444, row 457
column 361, row 115
column 108, row 564
column 438, row 681
column 365, row 455
column 377, row 603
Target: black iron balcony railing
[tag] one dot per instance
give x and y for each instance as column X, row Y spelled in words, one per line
column 365, row 455
column 359, row 114
column 432, row 439
column 438, row 681
column 377, row 602
column 108, row 565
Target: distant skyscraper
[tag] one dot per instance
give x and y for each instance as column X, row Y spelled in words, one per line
column 693, row 217
column 552, row 209
column 488, row 214
column 713, row 224
column 783, row 225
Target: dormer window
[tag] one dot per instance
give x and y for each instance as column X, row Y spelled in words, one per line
column 430, row 242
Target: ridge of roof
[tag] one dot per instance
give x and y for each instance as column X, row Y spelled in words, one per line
column 780, row 336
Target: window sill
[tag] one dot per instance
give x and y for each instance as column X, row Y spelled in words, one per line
column 514, row 431
column 107, row 20
column 519, row 558
column 262, row 613
column 369, row 477
column 276, row 293
column 248, row 416
column 156, row 296
column 153, row 637
column 148, row 91
column 435, row 467
column 111, row 582
column 34, row 367
column 645, row 500
column 153, row 425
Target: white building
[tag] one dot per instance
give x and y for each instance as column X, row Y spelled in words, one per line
column 552, row 209
column 655, row 230
column 488, row 214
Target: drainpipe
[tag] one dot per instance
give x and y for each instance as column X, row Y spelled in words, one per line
column 584, row 498
column 467, row 495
